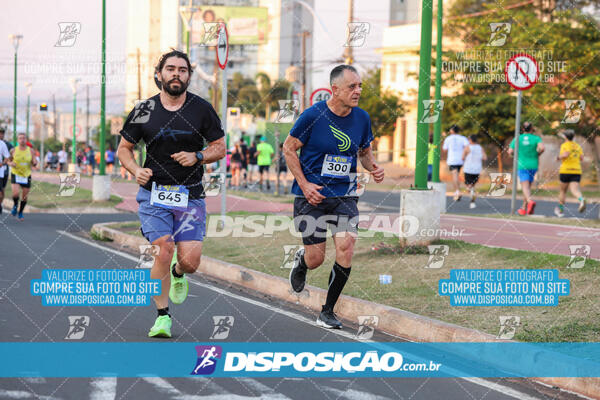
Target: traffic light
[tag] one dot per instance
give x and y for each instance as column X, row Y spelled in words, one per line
column 43, row 107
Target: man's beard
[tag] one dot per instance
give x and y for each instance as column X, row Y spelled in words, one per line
column 175, row 91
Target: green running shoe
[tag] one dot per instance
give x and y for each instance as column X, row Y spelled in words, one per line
column 162, row 327
column 179, row 288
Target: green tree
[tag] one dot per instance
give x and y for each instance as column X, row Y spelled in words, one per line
column 568, row 37
column 383, row 107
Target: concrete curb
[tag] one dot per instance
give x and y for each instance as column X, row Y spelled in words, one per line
column 391, row 320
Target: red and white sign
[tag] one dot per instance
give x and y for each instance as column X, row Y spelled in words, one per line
column 320, row 95
column 522, row 71
column 222, row 46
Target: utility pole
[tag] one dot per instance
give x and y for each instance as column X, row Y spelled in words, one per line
column 437, row 127
column 304, row 35
column 348, row 54
column 215, row 98
column 423, row 94
column 87, row 114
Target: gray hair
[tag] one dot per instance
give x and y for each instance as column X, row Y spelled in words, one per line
column 338, row 71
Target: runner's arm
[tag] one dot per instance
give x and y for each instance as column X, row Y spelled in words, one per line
column 310, row 190
column 367, row 160
column 466, row 151
column 127, row 160
column 540, row 148
column 213, row 152
column 33, row 158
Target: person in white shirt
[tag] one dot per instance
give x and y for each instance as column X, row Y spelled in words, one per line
column 4, row 158
column 62, row 159
column 48, row 160
column 473, row 157
column 454, row 145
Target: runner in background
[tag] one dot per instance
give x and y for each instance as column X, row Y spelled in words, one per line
column 570, row 155
column 252, row 162
column 4, row 160
column 454, row 144
column 265, row 158
column 244, row 154
column 22, row 159
column 282, row 168
column 473, row 157
column 530, row 148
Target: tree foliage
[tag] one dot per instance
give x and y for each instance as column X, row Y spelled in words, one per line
column 563, row 31
column 383, row 107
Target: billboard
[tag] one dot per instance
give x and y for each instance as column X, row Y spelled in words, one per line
column 245, row 25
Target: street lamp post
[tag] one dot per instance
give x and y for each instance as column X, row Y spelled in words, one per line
column 187, row 13
column 74, row 82
column 28, row 86
column 15, row 39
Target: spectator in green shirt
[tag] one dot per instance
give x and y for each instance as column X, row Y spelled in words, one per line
column 265, row 157
column 530, row 148
column 430, row 150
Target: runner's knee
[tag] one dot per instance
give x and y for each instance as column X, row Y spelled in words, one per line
column 189, row 265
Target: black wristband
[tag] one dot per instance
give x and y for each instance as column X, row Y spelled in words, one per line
column 199, row 156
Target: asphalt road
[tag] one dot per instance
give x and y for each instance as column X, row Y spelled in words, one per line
column 37, row 243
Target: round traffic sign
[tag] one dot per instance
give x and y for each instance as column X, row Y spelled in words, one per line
column 222, row 46
column 320, row 95
column 522, row 71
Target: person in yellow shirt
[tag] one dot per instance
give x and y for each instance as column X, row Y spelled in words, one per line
column 571, row 155
column 22, row 158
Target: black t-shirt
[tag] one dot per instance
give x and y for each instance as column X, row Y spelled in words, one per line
column 253, row 155
column 168, row 132
column 244, row 153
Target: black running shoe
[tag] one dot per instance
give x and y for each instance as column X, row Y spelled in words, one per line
column 328, row 319
column 298, row 273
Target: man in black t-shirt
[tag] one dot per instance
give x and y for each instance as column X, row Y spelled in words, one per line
column 176, row 126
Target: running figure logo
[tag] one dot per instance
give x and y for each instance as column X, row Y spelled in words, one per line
column 357, row 34
column 366, row 326
column 432, row 109
column 68, row 184
column 212, row 184
column 207, row 359
column 211, row 34
column 288, row 110
column 358, row 183
column 579, row 253
column 68, row 33
column 437, row 254
column 77, row 326
column 147, row 254
column 186, row 224
column 142, row 111
column 223, row 324
column 500, row 32
column 500, row 182
column 508, row 326
column 573, row 111
column 289, row 251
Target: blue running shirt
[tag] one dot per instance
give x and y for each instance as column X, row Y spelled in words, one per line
column 324, row 133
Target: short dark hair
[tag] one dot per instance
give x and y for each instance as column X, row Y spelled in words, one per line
column 455, row 128
column 527, row 126
column 473, row 138
column 569, row 134
column 173, row 53
column 2, row 129
column 339, row 70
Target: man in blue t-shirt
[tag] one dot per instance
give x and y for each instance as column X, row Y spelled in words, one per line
column 332, row 136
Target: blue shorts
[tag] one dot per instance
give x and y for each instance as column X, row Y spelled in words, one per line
column 179, row 224
column 527, row 175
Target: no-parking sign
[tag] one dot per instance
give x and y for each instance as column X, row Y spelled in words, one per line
column 522, row 71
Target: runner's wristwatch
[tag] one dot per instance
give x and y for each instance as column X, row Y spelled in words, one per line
column 199, row 156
